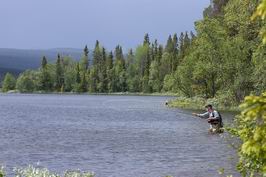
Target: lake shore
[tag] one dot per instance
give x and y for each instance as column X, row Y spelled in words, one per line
column 194, row 103
column 197, row 103
column 89, row 93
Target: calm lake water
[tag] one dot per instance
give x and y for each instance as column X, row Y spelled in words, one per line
column 113, row 136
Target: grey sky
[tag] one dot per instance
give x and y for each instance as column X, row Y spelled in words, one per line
column 41, row 24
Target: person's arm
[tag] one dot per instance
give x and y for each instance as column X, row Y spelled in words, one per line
column 204, row 115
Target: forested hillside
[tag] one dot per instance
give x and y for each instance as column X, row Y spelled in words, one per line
column 224, row 58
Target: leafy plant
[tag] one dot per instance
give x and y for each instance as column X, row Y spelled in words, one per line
column 251, row 129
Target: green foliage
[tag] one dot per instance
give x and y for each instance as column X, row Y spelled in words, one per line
column 251, row 129
column 154, row 77
column 9, row 83
column 119, row 74
column 45, row 77
column 69, row 78
column 224, row 61
column 25, row 82
column 188, row 103
column 259, row 61
column 261, row 12
column 168, row 83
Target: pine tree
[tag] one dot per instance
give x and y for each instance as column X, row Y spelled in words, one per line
column 85, row 60
column 186, row 42
column 146, row 39
column 119, row 70
column 155, row 49
column 86, row 51
column 97, row 60
column 83, row 84
column 181, row 46
column 78, row 79
column 59, row 74
column 104, row 71
column 44, row 62
column 110, row 72
column 169, row 48
column 45, row 77
column 131, row 73
column 96, row 54
column 175, row 52
column 169, row 45
column 109, row 61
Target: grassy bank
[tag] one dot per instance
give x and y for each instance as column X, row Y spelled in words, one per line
column 197, row 103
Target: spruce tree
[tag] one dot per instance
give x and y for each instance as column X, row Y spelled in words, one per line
column 110, row 72
column 44, row 62
column 45, row 77
column 169, row 45
column 186, row 42
column 146, row 39
column 175, row 52
column 85, row 60
column 59, row 74
column 181, row 46
column 78, row 78
column 83, row 84
column 119, row 70
column 104, row 71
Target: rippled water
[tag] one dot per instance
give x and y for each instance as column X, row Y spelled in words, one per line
column 114, row 136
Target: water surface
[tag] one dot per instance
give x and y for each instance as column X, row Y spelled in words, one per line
column 113, row 136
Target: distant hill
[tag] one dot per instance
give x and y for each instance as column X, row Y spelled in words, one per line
column 18, row 60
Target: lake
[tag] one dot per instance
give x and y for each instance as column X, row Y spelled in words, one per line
column 113, row 136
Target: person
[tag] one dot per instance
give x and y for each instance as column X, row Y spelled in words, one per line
column 213, row 117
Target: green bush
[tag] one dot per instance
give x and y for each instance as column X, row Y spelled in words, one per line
column 9, row 83
column 251, row 129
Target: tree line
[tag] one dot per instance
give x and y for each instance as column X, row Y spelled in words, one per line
column 142, row 70
column 224, row 59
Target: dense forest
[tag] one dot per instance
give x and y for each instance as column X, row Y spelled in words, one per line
column 224, row 58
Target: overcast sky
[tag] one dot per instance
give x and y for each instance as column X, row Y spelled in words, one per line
column 43, row 24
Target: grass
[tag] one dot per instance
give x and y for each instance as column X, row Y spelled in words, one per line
column 197, row 103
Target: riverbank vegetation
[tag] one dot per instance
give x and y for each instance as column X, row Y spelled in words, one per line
column 42, row 172
column 250, row 128
column 250, row 125
column 224, row 60
column 198, row 103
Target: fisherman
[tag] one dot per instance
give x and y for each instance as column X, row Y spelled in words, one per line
column 213, row 117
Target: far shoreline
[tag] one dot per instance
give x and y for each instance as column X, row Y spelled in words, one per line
column 176, row 101
column 89, row 93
